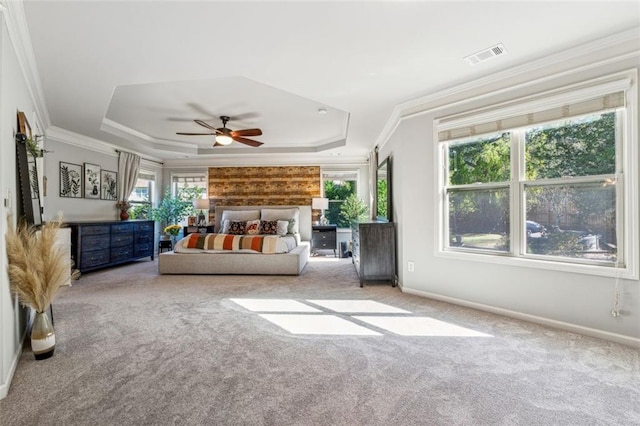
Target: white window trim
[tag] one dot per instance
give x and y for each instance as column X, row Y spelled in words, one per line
column 204, row 173
column 628, row 213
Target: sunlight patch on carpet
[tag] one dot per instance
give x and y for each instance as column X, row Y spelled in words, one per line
column 359, row 306
column 419, row 326
column 318, row 324
column 274, row 305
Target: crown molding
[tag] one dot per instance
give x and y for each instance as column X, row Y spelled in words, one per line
column 91, row 144
column 438, row 100
column 18, row 30
column 289, row 160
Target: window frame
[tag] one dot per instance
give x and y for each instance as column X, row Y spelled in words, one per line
column 345, row 175
column 195, row 176
column 626, row 175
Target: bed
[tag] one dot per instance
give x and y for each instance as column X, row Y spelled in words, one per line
column 206, row 256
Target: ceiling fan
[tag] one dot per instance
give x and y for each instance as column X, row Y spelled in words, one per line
column 225, row 136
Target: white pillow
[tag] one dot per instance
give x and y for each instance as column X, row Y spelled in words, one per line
column 240, row 215
column 292, row 215
column 283, row 227
column 253, row 227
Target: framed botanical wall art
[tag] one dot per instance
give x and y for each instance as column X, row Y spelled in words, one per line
column 109, row 190
column 70, row 180
column 91, row 181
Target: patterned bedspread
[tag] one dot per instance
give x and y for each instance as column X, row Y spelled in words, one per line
column 259, row 243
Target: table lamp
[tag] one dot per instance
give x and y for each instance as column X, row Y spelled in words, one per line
column 201, row 204
column 320, row 204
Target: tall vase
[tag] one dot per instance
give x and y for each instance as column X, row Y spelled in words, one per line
column 43, row 337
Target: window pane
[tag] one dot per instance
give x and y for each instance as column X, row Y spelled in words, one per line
column 481, row 160
column 580, row 221
column 579, row 147
column 479, row 219
column 142, row 191
column 141, row 196
column 337, row 190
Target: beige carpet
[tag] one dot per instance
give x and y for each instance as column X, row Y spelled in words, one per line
column 137, row 348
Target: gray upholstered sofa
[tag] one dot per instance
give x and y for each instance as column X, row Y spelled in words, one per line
column 234, row 263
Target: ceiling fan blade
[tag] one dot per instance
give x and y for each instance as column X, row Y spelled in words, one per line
column 195, row 134
column 246, row 141
column 208, row 126
column 217, row 144
column 247, row 132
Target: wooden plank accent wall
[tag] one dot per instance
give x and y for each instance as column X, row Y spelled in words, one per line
column 255, row 186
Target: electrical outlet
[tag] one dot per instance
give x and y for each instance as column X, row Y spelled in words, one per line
column 410, row 266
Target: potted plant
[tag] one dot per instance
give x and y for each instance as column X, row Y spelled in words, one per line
column 37, row 268
column 173, row 231
column 124, row 207
column 172, row 209
column 353, row 208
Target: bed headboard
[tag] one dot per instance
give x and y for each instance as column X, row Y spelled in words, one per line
column 305, row 217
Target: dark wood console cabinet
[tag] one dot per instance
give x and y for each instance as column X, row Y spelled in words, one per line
column 100, row 244
column 374, row 251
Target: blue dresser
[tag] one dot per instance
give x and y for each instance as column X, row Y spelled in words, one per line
column 100, row 244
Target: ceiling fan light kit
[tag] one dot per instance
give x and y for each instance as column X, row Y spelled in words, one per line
column 224, row 139
column 224, row 136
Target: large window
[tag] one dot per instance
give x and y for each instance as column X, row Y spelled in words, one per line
column 143, row 194
column 189, row 186
column 337, row 187
column 551, row 187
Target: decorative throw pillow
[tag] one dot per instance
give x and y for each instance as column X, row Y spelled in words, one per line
column 269, row 227
column 237, row 227
column 292, row 215
column 253, row 227
column 283, row 227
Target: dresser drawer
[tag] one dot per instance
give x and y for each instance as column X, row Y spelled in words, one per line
column 95, row 242
column 94, row 229
column 143, row 227
column 143, row 249
column 121, row 228
column 143, row 238
column 94, row 258
column 121, row 253
column 119, row 240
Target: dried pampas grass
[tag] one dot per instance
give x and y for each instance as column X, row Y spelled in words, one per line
column 37, row 265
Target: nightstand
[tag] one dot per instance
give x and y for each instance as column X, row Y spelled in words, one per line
column 164, row 245
column 324, row 237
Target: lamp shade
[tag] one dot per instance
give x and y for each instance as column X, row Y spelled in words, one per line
column 319, row 203
column 201, row 204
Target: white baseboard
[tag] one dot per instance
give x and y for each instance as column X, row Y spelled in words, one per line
column 574, row 328
column 4, row 387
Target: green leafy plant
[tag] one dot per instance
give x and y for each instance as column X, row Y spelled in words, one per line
column 172, row 209
column 353, row 208
column 140, row 211
column 33, row 147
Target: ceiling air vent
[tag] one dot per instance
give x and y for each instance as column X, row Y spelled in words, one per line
column 486, row 54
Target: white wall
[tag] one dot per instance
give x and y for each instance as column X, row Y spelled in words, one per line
column 15, row 96
column 75, row 208
column 573, row 301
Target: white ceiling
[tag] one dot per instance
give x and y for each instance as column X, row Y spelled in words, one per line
column 133, row 73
